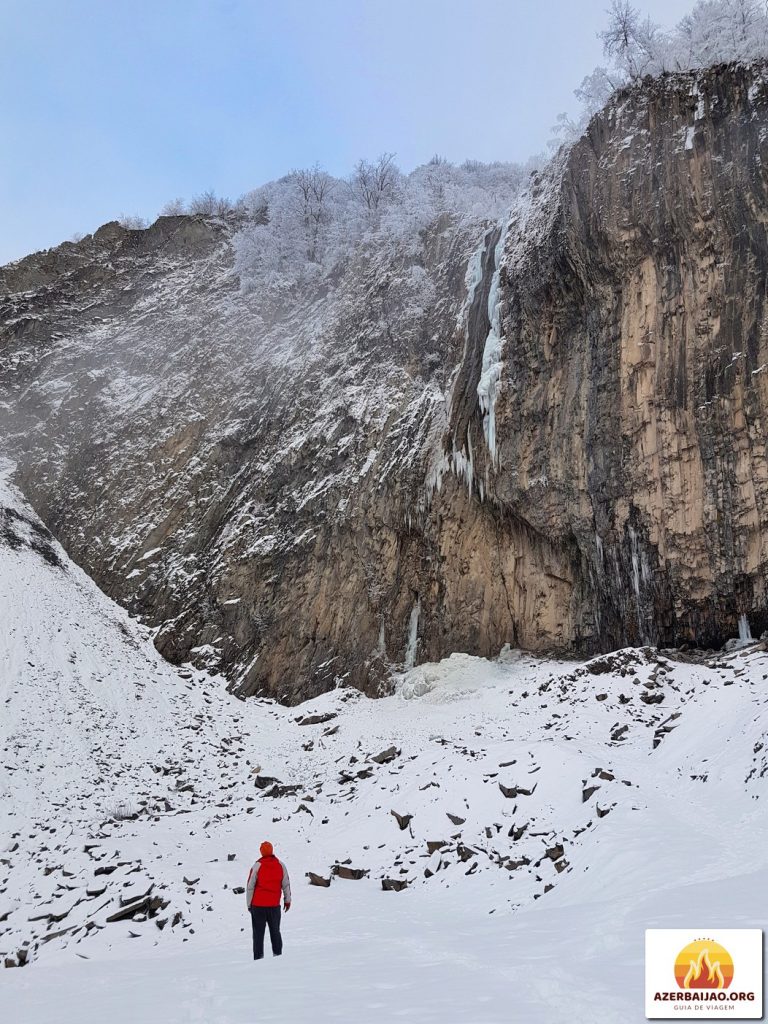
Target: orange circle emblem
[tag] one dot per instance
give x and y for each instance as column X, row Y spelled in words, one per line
column 703, row 963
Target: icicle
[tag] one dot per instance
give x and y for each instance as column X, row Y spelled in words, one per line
column 617, row 570
column 492, row 362
column 413, row 635
column 645, row 567
column 470, row 466
column 473, row 277
column 745, row 633
column 635, row 562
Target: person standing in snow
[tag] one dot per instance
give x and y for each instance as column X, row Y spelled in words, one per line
column 267, row 879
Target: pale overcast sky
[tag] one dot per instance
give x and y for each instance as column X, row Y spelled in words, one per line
column 113, row 106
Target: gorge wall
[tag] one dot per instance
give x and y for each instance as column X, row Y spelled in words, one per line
column 548, row 433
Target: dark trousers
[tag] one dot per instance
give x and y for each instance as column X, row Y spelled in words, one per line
column 260, row 918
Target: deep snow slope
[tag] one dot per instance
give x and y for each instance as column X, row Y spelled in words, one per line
column 556, row 810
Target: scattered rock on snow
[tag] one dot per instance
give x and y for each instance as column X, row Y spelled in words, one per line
column 318, row 879
column 316, row 719
column 354, row 874
column 514, row 865
column 148, row 906
column 651, row 698
column 386, row 755
column 510, row 792
column 278, row 791
column 265, row 781
column 403, row 820
column 394, row 884
column 135, row 897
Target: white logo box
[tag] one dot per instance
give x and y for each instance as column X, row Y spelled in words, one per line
column 662, row 947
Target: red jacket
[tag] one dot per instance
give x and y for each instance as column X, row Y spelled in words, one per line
column 267, row 881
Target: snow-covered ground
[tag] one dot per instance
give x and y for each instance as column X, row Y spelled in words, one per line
column 556, row 811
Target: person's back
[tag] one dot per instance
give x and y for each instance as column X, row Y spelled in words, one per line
column 267, row 882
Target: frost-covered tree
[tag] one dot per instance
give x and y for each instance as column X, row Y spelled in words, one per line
column 132, row 221
column 271, row 251
column 313, row 188
column 634, row 45
column 309, row 227
column 595, row 90
column 720, row 31
column 373, row 182
column 716, row 31
column 173, row 208
column 208, row 204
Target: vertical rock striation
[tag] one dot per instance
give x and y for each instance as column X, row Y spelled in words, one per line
column 633, row 402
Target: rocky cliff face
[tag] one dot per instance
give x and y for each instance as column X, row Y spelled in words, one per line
column 547, row 433
column 632, row 412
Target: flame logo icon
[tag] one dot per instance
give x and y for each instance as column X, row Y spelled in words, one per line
column 704, row 963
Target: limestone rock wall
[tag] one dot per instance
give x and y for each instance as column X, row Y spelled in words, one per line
column 636, row 366
column 559, row 448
